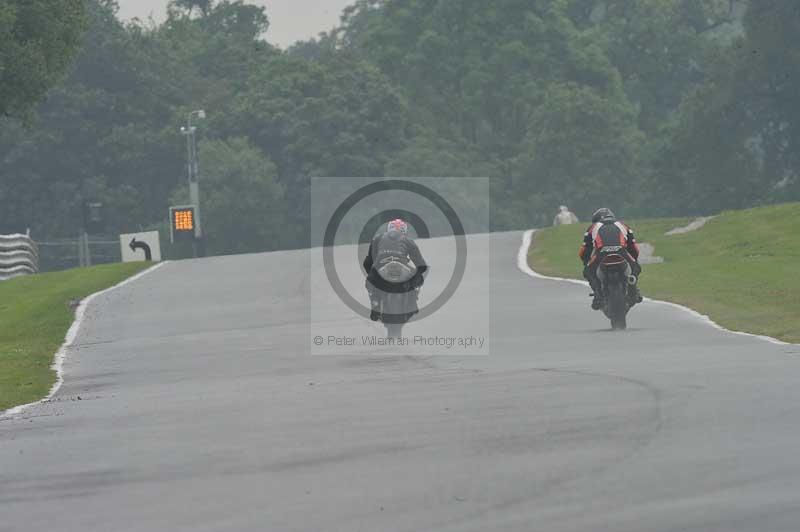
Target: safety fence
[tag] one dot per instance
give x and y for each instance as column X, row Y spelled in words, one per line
column 19, row 255
column 63, row 254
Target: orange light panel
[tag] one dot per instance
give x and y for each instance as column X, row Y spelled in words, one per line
column 184, row 220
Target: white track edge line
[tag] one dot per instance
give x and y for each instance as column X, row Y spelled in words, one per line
column 522, row 264
column 69, row 340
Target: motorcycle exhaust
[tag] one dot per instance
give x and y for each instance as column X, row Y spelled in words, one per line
column 632, row 280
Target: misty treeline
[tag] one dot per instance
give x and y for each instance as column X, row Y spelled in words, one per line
column 652, row 107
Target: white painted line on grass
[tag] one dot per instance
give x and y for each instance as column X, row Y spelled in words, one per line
column 522, row 264
column 694, row 226
column 522, row 261
column 72, row 333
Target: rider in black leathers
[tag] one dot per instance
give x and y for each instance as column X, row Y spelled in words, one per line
column 393, row 245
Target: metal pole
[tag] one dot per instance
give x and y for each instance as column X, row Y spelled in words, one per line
column 81, row 263
column 190, row 170
column 194, row 185
column 195, row 193
column 88, row 250
column 189, row 151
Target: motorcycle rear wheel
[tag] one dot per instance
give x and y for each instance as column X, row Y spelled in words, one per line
column 617, row 307
column 394, row 330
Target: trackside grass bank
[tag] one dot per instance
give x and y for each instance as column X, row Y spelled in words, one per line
column 35, row 315
column 742, row 268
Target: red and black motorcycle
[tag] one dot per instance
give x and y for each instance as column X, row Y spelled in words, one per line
column 617, row 283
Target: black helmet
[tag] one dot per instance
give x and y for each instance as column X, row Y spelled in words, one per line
column 604, row 215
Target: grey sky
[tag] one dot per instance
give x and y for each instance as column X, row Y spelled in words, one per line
column 290, row 20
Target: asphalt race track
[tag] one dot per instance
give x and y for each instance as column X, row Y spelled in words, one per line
column 192, row 403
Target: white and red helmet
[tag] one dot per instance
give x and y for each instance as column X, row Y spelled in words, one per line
column 398, row 225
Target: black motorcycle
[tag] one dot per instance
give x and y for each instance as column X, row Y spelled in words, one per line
column 395, row 312
column 398, row 300
column 617, row 284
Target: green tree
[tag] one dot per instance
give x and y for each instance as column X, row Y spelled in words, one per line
column 484, row 74
column 736, row 141
column 204, row 6
column 341, row 118
column 768, row 78
column 646, row 105
column 660, row 47
column 107, row 134
column 242, row 204
column 111, row 129
column 584, row 152
column 38, row 39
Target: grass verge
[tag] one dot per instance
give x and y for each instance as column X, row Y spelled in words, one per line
column 34, row 318
column 740, row 268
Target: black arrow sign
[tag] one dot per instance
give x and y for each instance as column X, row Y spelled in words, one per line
column 148, row 255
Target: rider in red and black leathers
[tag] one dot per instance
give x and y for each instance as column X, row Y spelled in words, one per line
column 607, row 231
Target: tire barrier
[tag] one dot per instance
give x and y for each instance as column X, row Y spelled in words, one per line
column 19, row 256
